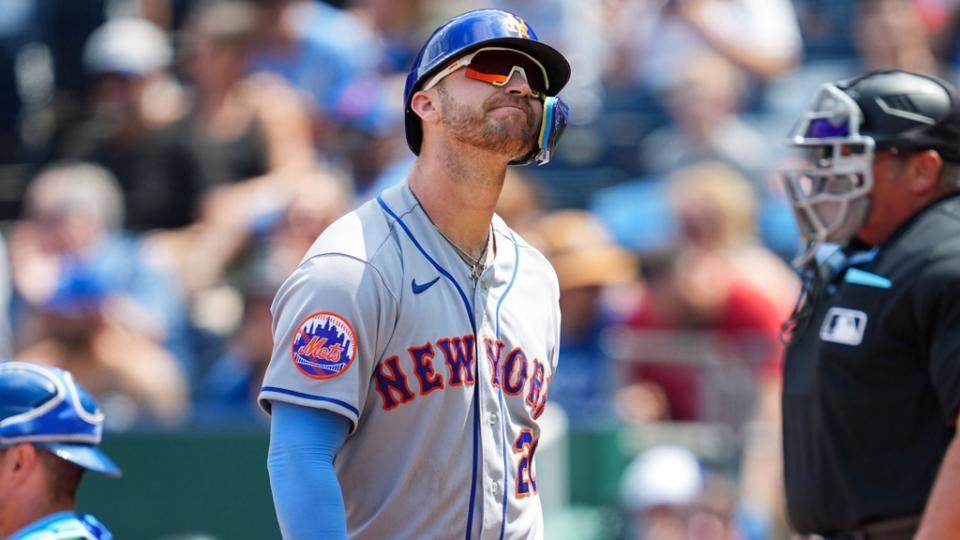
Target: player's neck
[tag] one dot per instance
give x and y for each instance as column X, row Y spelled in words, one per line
column 460, row 194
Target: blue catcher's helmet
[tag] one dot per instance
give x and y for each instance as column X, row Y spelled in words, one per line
column 44, row 406
column 485, row 28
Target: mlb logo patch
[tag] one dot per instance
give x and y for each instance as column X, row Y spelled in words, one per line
column 844, row 326
column 324, row 345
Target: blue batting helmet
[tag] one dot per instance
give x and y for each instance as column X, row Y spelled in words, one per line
column 484, row 28
column 44, row 406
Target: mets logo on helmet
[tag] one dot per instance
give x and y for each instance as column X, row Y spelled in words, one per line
column 323, row 346
column 518, row 26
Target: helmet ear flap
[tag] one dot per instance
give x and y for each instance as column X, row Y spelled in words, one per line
column 552, row 124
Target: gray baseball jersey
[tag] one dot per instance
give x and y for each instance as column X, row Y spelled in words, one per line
column 442, row 379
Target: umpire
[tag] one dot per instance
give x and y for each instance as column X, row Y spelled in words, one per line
column 872, row 374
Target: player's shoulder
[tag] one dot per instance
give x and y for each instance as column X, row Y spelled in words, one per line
column 368, row 233
column 363, row 241
column 362, row 234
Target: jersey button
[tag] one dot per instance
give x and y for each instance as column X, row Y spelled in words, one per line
column 492, row 418
column 495, row 489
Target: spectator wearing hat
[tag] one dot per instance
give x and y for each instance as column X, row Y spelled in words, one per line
column 587, row 263
column 130, row 96
column 50, row 427
column 668, row 494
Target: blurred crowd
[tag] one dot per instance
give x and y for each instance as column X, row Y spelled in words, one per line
column 164, row 164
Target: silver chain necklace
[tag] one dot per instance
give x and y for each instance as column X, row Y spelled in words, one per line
column 477, row 266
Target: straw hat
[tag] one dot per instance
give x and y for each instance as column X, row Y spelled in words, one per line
column 582, row 250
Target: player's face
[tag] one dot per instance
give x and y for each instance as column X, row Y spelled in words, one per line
column 500, row 119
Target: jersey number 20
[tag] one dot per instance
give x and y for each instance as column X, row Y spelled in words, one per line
column 525, row 445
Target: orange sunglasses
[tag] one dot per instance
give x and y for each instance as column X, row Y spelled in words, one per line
column 496, row 66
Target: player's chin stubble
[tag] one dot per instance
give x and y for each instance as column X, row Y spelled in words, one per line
column 508, row 135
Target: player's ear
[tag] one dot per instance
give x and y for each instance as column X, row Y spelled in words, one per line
column 923, row 171
column 18, row 461
column 424, row 105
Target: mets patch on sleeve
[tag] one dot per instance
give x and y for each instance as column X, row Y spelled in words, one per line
column 324, row 345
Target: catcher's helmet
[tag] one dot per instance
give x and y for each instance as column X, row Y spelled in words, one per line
column 485, row 28
column 44, row 406
column 847, row 122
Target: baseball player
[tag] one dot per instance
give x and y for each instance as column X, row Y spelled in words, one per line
column 416, row 341
column 49, row 430
column 871, row 385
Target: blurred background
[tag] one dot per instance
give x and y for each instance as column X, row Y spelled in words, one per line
column 164, row 164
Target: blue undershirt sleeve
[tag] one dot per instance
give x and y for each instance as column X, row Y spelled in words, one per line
column 306, row 493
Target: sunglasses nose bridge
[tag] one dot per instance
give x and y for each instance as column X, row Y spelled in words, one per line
column 517, row 83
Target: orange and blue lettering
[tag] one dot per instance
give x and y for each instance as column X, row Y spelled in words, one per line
column 422, row 357
column 525, row 445
column 317, row 348
column 458, row 353
column 494, row 354
column 515, row 372
column 544, row 394
column 392, row 384
column 536, row 384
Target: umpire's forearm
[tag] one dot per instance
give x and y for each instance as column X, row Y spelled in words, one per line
column 941, row 518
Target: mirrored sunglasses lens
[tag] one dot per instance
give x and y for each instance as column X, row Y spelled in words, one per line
column 500, row 64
